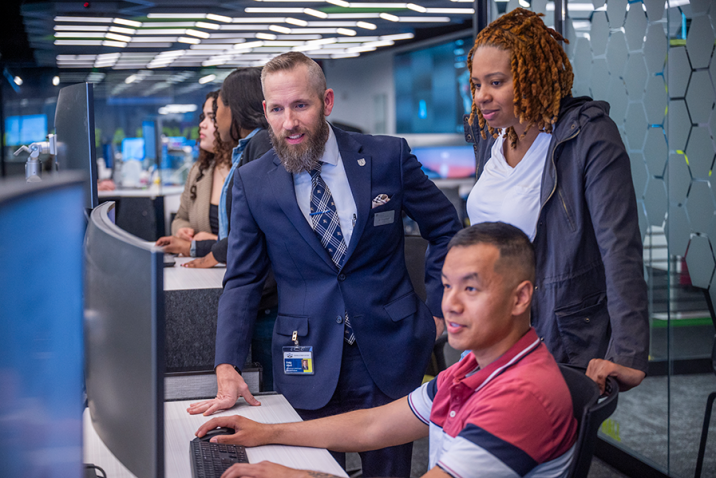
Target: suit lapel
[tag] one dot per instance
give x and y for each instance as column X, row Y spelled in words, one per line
column 358, row 172
column 282, row 186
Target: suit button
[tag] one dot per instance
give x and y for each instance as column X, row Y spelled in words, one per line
column 339, row 320
column 341, row 277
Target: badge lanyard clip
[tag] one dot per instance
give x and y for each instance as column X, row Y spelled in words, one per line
column 294, row 337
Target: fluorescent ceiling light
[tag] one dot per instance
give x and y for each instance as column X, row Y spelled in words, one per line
column 423, row 19
column 274, row 10
column 117, row 44
column 340, row 3
column 176, row 15
column 79, row 35
column 114, row 36
column 168, row 24
column 315, row 13
column 192, row 41
column 84, row 19
column 243, row 27
column 249, row 45
column 18, row 81
column 366, row 25
column 207, row 25
column 206, row 79
column 296, row 21
column 379, row 5
column 398, row 36
column 416, row 8
column 126, row 31
column 221, row 18
column 154, row 39
column 259, row 19
column 129, row 23
column 389, row 17
column 163, row 31
column 266, row 36
column 130, row 79
column 81, row 28
column 198, row 34
column 362, row 16
column 360, row 49
column 279, row 29
column 344, row 55
column 345, row 31
column 575, row 7
column 55, row 80
column 78, row 42
column 451, row 11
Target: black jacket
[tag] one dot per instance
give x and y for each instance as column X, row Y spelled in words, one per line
column 590, row 298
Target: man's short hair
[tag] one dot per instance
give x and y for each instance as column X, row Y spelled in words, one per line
column 289, row 61
column 517, row 255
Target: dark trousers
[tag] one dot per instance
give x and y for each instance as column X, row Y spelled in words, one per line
column 261, row 344
column 356, row 390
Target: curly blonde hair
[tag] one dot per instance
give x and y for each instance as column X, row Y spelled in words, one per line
column 541, row 72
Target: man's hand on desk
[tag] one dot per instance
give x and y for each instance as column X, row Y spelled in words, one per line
column 174, row 245
column 231, row 386
column 205, row 262
column 267, row 469
column 185, row 233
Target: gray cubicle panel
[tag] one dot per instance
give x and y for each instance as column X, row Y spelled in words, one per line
column 124, row 343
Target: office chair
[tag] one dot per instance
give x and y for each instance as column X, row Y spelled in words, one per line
column 589, row 412
column 710, row 399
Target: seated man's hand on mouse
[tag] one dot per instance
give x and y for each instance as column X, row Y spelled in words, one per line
column 247, row 432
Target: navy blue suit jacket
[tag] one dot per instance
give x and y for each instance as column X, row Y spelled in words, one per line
column 394, row 329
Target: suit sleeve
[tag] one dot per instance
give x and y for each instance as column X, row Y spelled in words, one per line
column 246, row 268
column 609, row 192
column 437, row 218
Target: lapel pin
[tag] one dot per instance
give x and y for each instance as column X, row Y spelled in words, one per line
column 361, row 162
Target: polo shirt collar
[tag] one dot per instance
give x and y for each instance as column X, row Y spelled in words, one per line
column 526, row 344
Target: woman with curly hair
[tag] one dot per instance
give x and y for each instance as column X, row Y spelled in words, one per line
column 198, row 216
column 555, row 166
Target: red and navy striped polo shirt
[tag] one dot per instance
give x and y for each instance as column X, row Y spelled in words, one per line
column 512, row 418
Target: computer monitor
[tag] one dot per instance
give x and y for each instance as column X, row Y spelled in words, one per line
column 124, row 343
column 74, row 125
column 41, row 353
column 133, row 149
column 447, row 162
column 25, row 129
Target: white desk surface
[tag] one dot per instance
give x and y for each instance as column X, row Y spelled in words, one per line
column 182, row 278
column 151, row 192
column 179, row 428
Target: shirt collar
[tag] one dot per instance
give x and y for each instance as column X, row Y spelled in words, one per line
column 330, row 153
column 517, row 352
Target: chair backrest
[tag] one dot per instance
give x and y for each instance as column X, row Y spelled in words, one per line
column 589, row 412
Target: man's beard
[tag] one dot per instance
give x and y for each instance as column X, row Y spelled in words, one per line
column 303, row 157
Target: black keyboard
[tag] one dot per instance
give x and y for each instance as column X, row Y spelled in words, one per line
column 210, row 460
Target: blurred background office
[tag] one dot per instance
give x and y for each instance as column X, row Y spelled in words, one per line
column 400, row 68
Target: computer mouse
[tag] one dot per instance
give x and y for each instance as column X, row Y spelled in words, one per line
column 218, row 431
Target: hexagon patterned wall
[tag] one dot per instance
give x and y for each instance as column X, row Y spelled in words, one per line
column 657, row 62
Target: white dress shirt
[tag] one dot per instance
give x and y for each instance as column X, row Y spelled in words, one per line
column 508, row 194
column 334, row 175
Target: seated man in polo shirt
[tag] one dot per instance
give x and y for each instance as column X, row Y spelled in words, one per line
column 502, row 411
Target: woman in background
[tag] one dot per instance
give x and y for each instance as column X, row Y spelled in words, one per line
column 195, row 228
column 240, row 119
column 555, row 167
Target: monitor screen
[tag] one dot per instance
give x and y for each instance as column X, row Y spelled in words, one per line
column 124, row 343
column 25, row 129
column 74, row 124
column 133, row 148
column 41, row 351
column 447, row 162
column 149, row 133
column 432, row 88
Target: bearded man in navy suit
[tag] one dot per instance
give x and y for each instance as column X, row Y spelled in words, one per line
column 323, row 209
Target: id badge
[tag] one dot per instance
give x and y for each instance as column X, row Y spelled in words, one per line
column 298, row 360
